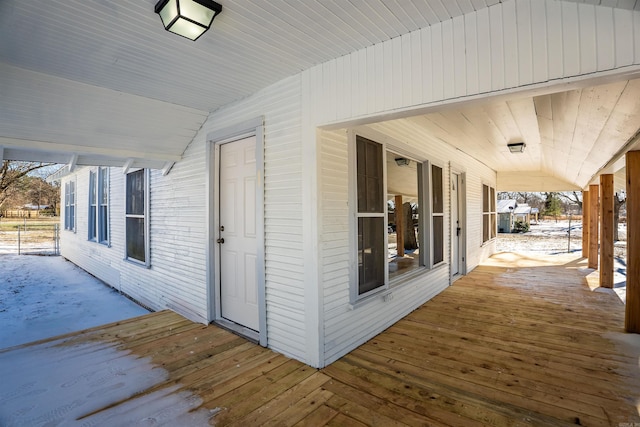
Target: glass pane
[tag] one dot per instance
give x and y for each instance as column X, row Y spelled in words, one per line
column 135, row 193
column 92, row 223
column 485, row 227
column 438, row 239
column 493, row 225
column 369, row 171
column 92, row 188
column 493, row 199
column 371, row 254
column 135, row 238
column 104, row 186
column 102, row 224
column 436, row 179
column 485, row 198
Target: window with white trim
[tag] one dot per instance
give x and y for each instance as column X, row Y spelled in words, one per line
column 136, row 216
column 488, row 213
column 398, row 216
column 99, row 205
column 70, row 205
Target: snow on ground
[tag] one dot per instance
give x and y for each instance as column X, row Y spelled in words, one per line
column 57, row 383
column 60, row 382
column 552, row 238
column 42, row 296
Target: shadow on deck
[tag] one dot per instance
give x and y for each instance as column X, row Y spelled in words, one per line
column 519, row 341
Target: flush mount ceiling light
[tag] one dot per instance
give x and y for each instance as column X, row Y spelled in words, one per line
column 402, row 161
column 187, row 18
column 516, row 147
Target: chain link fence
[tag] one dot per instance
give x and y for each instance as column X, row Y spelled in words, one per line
column 30, row 237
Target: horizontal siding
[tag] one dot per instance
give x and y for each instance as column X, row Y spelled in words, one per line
column 346, row 326
column 177, row 277
column 283, row 169
column 508, row 45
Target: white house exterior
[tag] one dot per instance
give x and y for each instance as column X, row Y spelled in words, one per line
column 309, row 265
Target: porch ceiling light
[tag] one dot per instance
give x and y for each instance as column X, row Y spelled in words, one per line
column 402, row 161
column 187, row 18
column 516, row 147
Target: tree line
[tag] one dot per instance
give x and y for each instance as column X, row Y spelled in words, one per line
column 24, row 183
column 556, row 204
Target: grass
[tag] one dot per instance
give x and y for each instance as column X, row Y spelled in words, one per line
column 39, row 233
column 44, row 223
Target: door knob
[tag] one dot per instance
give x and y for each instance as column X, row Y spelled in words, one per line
column 220, row 240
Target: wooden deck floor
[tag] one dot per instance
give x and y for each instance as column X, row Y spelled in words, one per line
column 516, row 342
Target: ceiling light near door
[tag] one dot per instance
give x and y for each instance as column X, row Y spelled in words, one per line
column 187, row 18
column 516, row 147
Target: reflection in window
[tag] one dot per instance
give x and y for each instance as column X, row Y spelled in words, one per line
column 403, row 203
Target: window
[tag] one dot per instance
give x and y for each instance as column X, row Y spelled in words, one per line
column 392, row 216
column 488, row 213
column 98, row 205
column 371, row 215
column 136, row 216
column 70, row 206
column 437, row 214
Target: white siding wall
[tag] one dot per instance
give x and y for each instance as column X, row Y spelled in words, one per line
column 284, row 256
column 509, row 45
column 176, row 279
column 346, row 326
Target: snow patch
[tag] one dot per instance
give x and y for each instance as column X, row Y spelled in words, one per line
column 60, row 384
column 41, row 297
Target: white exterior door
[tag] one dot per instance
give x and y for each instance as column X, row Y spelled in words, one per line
column 237, row 233
column 455, row 224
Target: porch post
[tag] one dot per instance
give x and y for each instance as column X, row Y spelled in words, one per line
column 593, row 226
column 632, row 307
column 606, row 231
column 585, row 224
column 399, row 215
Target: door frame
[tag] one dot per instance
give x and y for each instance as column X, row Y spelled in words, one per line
column 252, row 127
column 462, row 214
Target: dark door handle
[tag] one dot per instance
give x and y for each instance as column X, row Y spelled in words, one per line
column 220, row 240
column 458, row 231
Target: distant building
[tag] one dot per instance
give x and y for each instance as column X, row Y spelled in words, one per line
column 510, row 212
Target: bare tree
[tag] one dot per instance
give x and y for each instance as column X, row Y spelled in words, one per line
column 410, row 241
column 11, row 175
column 618, row 202
column 572, row 197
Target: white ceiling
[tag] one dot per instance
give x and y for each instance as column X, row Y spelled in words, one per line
column 569, row 135
column 113, row 75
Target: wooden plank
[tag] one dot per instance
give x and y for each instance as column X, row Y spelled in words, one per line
column 606, row 230
column 632, row 307
column 516, row 342
column 322, row 415
column 585, row 224
column 291, row 406
column 594, row 192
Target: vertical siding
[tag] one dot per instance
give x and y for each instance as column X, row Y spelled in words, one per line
column 346, row 326
column 508, row 45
